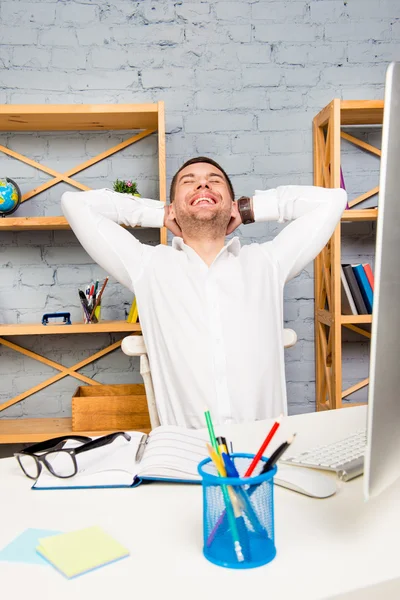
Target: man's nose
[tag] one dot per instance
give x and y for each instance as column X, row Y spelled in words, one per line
column 203, row 184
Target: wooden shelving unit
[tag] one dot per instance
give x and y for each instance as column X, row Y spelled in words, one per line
column 329, row 321
column 144, row 120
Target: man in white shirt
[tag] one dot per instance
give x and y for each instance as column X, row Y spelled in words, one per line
column 211, row 313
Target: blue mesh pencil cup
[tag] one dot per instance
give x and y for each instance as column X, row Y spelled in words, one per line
column 238, row 515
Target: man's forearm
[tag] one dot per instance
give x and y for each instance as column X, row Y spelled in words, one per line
column 314, row 213
column 119, row 208
column 287, row 203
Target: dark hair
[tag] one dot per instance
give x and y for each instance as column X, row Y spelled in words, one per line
column 193, row 161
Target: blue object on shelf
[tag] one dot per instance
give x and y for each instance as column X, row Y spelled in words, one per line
column 66, row 316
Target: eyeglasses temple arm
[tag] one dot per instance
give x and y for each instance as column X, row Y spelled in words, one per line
column 53, row 443
column 102, row 441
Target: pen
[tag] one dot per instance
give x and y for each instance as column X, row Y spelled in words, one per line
column 232, row 471
column 221, row 441
column 275, row 456
column 99, row 295
column 263, row 447
column 141, row 447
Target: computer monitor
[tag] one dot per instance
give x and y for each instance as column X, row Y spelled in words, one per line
column 382, row 458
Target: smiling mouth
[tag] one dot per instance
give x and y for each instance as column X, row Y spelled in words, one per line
column 203, row 201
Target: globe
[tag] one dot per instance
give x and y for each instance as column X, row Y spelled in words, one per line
column 10, row 196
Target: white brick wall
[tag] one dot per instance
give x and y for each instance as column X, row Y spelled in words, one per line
column 242, row 81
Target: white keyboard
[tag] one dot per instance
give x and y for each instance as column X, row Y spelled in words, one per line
column 346, row 456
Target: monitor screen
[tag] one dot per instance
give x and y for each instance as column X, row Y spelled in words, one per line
column 382, row 458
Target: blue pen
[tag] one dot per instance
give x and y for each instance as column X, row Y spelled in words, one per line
column 232, row 471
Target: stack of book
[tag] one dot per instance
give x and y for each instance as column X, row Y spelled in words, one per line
column 357, row 289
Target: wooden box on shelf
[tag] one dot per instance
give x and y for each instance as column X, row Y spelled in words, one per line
column 119, row 407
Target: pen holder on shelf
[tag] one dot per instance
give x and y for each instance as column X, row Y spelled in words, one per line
column 97, row 314
column 238, row 515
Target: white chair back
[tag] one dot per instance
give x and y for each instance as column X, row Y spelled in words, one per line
column 134, row 345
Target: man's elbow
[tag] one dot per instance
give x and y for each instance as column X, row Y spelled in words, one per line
column 339, row 200
column 68, row 200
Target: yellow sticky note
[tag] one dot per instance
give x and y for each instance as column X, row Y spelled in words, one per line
column 77, row 552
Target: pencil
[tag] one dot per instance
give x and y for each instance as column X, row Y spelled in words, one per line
column 98, row 298
column 263, row 446
column 211, row 433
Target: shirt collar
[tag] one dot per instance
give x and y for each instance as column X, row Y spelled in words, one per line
column 233, row 246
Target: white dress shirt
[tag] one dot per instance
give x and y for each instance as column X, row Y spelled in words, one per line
column 214, row 335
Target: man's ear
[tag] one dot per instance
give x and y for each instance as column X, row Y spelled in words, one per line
column 171, row 211
column 235, row 209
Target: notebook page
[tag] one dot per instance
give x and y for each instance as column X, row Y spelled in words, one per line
column 174, row 453
column 109, row 465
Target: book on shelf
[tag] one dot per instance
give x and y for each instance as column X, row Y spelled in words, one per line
column 369, row 274
column 355, row 289
column 347, row 300
column 133, row 315
column 168, row 453
column 364, row 285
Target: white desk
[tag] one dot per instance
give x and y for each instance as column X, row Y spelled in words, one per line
column 324, row 547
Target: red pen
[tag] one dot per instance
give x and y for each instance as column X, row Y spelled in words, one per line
column 263, row 447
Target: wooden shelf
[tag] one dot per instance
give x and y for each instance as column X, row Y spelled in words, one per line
column 356, row 319
column 17, row 431
column 33, row 223
column 78, row 117
column 361, row 112
column 39, row 329
column 368, row 214
column 37, row 224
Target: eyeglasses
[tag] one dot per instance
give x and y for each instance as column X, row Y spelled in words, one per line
column 60, row 461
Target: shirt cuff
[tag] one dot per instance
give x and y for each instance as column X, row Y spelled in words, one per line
column 152, row 213
column 265, row 205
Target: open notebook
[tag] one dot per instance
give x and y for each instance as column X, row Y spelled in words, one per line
column 168, row 453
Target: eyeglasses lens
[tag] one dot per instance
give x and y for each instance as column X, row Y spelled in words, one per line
column 29, row 465
column 62, row 463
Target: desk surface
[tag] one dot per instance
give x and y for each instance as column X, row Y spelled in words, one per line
column 324, row 547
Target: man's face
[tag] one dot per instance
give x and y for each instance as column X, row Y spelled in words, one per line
column 202, row 196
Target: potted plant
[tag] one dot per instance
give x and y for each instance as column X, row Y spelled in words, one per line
column 126, row 187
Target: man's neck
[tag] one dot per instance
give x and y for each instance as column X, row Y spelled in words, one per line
column 207, row 249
